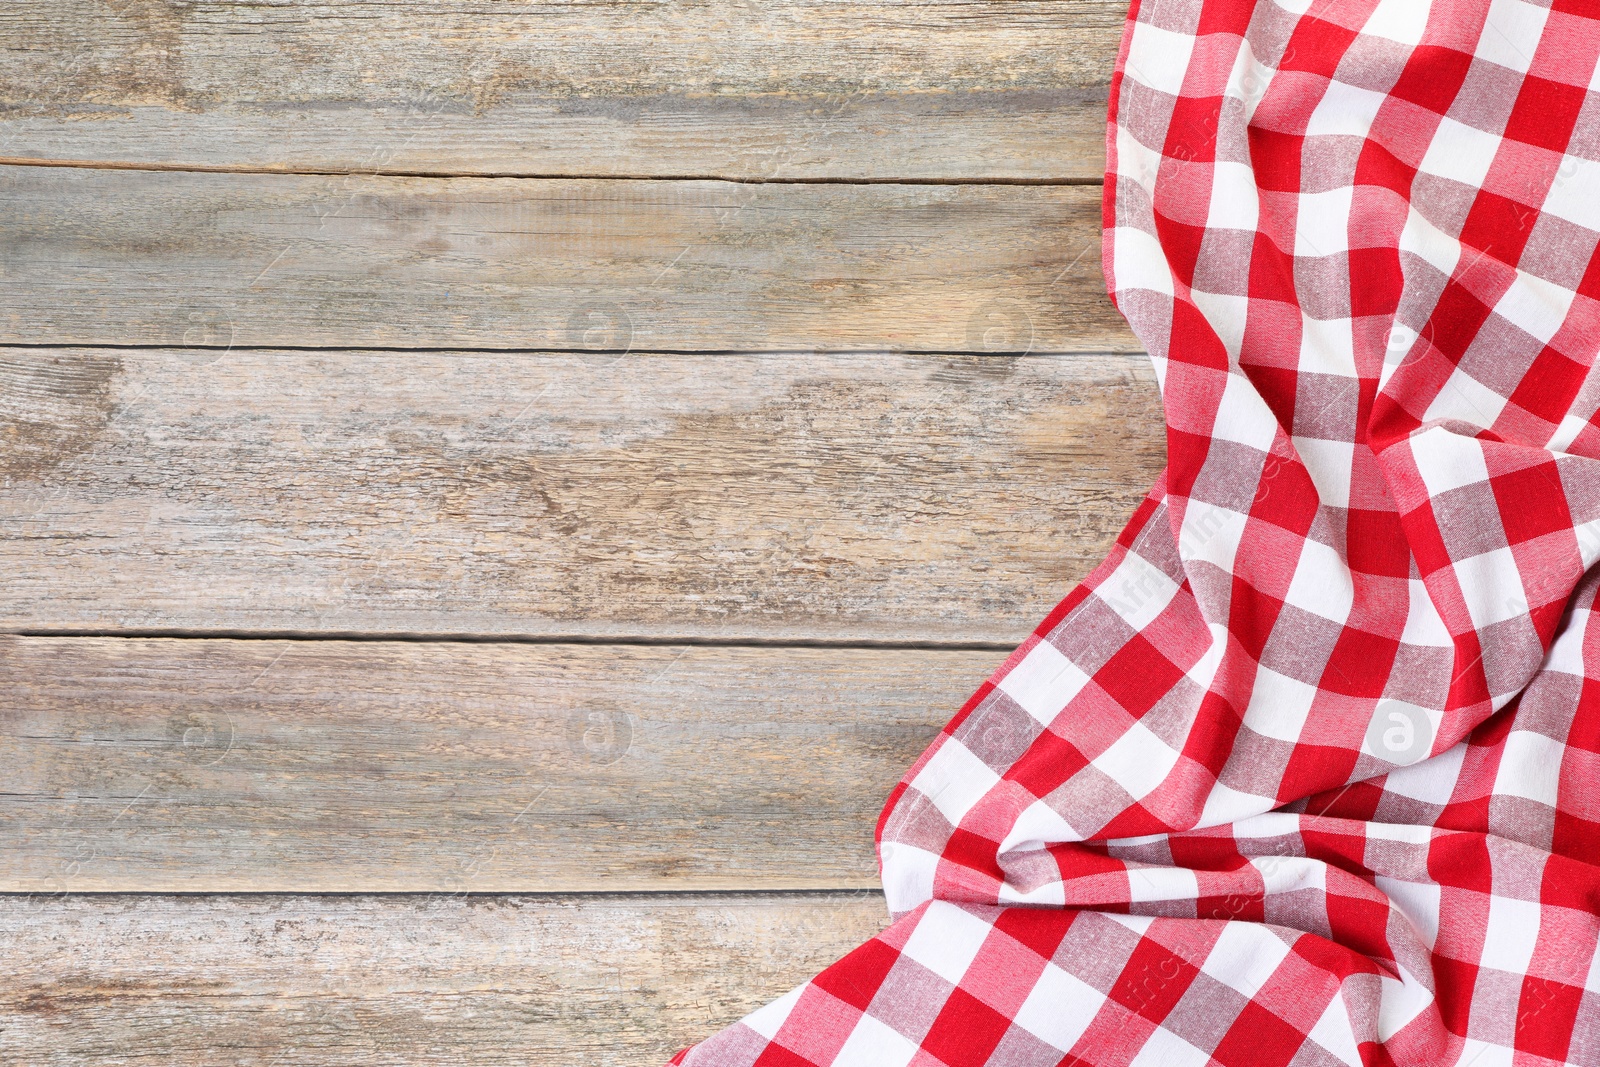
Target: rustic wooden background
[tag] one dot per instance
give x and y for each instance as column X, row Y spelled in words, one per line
column 497, row 491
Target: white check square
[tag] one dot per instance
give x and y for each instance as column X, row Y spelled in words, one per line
column 1511, row 34
column 1043, row 682
column 1509, row 938
column 946, row 940
column 1279, row 705
column 1491, row 586
column 1059, row 1008
column 1244, row 957
column 1138, row 761
column 1162, row 57
column 1461, row 153
column 874, row 1044
column 954, row 780
column 1530, row 767
column 1322, row 584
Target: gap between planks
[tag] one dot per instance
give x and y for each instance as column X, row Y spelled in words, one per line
column 200, row 168
column 623, row 640
column 857, row 353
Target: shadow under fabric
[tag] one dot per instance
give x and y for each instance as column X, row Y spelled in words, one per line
column 1308, row 770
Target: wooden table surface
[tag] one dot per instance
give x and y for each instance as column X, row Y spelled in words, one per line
column 498, row 491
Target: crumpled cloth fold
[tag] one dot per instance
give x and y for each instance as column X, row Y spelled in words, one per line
column 1308, row 770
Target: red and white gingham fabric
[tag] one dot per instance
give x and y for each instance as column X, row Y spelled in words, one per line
column 1308, row 771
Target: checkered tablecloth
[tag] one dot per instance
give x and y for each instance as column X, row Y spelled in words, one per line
column 1308, row 771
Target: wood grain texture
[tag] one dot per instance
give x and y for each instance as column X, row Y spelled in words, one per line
column 781, row 497
column 401, row 981
column 947, row 89
column 138, row 257
column 183, row 765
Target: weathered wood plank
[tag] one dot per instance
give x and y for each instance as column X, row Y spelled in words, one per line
column 947, row 89
column 401, row 981
column 139, row 257
column 183, row 765
column 877, row 498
